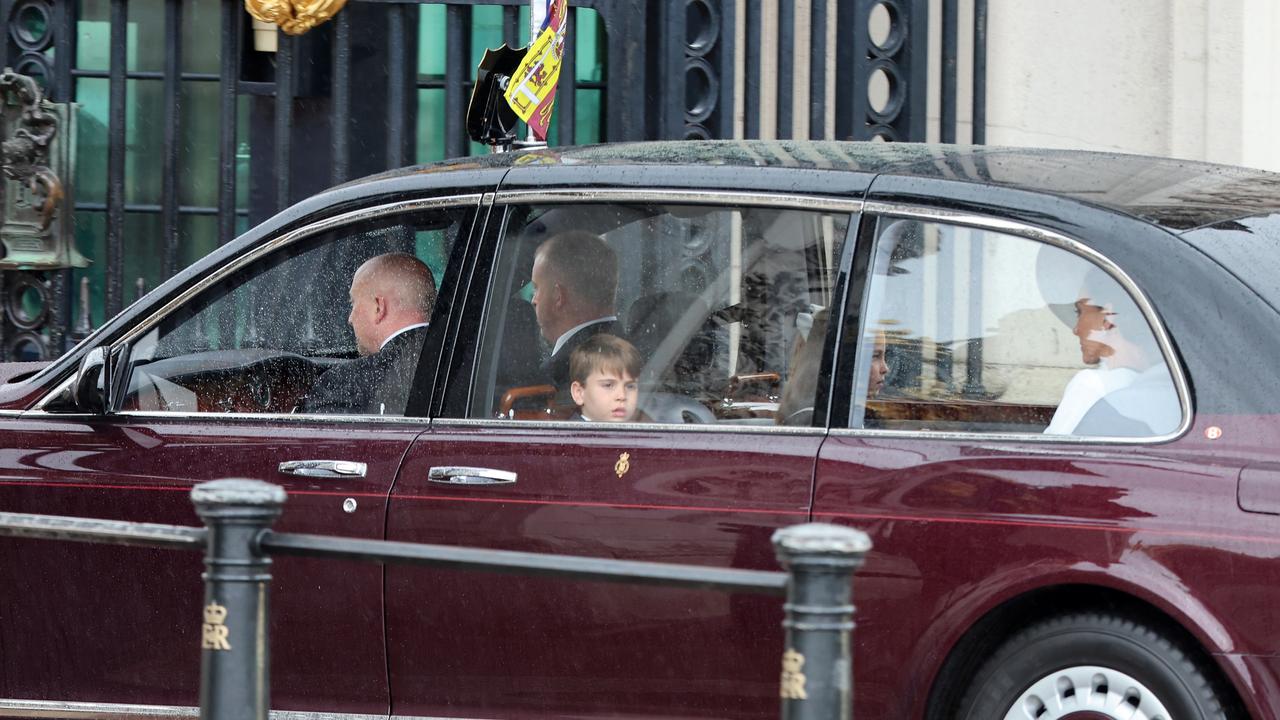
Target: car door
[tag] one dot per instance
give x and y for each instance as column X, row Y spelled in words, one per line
column 961, row 453
column 213, row 384
column 716, row 295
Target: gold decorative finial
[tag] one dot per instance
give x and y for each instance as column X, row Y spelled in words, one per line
column 295, row 17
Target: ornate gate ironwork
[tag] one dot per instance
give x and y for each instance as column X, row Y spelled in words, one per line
column 36, row 223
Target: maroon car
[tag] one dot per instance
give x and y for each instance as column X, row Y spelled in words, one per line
column 1044, row 382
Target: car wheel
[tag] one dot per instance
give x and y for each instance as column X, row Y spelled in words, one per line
column 1091, row 667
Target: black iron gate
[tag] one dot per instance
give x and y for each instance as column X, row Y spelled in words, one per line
column 339, row 102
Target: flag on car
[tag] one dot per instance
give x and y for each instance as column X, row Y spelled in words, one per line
column 532, row 90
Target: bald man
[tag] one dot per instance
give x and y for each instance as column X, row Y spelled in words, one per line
column 392, row 297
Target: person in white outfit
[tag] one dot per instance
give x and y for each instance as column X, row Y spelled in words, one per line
column 1127, row 390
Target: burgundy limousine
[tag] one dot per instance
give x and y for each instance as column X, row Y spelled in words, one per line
column 1044, row 382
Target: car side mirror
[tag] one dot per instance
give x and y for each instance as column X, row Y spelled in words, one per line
column 88, row 392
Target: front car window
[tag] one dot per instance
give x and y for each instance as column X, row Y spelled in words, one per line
column 970, row 330
column 296, row 331
column 658, row 313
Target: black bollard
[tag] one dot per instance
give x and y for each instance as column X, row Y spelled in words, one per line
column 234, row 665
column 817, row 666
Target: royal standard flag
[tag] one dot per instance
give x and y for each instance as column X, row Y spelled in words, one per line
column 531, row 92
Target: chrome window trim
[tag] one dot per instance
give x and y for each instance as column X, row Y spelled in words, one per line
column 954, row 435
column 682, row 197
column 629, row 426
column 98, row 711
column 240, row 417
column 1050, row 237
column 17, row 708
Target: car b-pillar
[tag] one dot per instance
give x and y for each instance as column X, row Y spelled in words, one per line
column 235, row 662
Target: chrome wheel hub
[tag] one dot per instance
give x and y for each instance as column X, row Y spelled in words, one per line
column 1087, row 692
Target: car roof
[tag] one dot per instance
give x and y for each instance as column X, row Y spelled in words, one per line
column 1178, row 195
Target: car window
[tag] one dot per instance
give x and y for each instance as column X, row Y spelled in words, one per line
column 682, row 313
column 978, row 331
column 282, row 334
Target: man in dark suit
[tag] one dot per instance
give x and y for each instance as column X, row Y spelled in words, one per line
column 575, row 279
column 392, row 297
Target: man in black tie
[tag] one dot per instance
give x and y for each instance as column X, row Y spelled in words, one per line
column 392, row 297
column 575, row 279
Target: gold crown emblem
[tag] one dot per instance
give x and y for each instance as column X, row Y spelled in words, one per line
column 215, row 614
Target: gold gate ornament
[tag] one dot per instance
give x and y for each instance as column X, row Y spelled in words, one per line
column 35, row 206
column 295, row 17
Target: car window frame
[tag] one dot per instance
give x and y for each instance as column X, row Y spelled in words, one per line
column 849, row 348
column 123, row 343
column 457, row 400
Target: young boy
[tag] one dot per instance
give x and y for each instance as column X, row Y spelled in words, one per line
column 604, row 371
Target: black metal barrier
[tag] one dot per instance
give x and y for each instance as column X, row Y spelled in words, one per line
column 819, row 560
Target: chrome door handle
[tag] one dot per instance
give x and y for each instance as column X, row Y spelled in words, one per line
column 324, row 468
column 458, row 475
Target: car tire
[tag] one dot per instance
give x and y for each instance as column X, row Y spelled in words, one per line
column 1093, row 665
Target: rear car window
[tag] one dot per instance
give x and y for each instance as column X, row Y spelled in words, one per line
column 971, row 330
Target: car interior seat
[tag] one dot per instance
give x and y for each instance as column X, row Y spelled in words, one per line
column 675, row 332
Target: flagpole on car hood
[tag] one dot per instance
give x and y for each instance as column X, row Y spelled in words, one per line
column 531, row 89
column 520, row 84
column 537, row 15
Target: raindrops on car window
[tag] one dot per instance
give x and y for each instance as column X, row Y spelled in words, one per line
column 714, row 301
column 261, row 338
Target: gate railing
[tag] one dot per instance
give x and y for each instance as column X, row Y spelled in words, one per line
column 819, row 561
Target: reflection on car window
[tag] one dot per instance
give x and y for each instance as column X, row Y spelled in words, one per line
column 708, row 307
column 977, row 331
column 330, row 324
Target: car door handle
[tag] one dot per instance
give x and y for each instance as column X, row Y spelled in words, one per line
column 458, row 475
column 324, row 468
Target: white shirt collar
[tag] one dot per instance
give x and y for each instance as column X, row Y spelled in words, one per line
column 560, row 341
column 401, row 331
